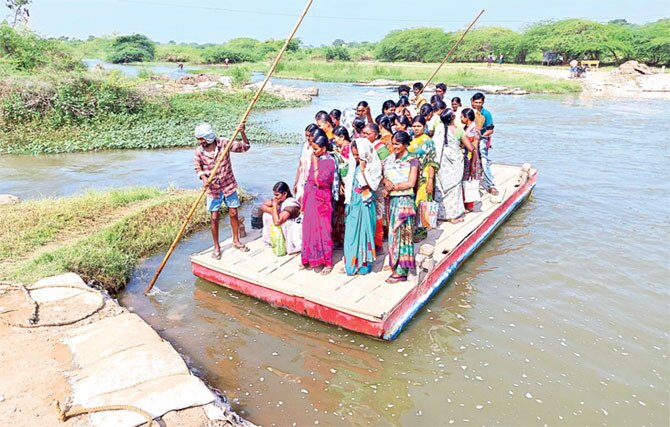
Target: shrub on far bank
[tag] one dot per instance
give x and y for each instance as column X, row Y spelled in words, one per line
column 219, row 54
column 415, row 45
column 178, row 53
column 75, row 99
column 337, row 53
column 133, row 48
column 27, row 52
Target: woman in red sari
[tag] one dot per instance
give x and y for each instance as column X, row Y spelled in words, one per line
column 321, row 185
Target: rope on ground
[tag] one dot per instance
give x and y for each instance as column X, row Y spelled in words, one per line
column 64, row 415
column 33, row 320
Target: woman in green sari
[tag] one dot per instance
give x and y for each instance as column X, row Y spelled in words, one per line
column 424, row 149
column 365, row 173
column 401, row 170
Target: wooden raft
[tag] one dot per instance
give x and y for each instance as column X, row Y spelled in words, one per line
column 366, row 304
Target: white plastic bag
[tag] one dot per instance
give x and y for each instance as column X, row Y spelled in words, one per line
column 471, row 191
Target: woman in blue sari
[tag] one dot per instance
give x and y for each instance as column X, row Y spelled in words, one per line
column 365, row 173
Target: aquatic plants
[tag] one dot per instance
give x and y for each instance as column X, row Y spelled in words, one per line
column 82, row 113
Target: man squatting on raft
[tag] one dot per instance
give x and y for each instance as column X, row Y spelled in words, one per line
column 223, row 188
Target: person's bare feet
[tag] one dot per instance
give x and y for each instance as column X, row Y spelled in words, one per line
column 457, row 220
column 326, row 270
column 494, row 191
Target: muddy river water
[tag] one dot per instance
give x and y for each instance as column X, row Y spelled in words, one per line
column 561, row 318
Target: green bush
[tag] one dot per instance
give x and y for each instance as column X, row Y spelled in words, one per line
column 337, row 53
column 416, row 45
column 133, row 48
column 74, row 100
column 218, row 55
column 25, row 51
column 652, row 42
column 479, row 42
column 178, row 53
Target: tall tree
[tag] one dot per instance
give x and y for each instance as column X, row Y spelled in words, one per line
column 20, row 10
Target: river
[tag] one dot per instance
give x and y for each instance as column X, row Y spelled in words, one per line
column 562, row 318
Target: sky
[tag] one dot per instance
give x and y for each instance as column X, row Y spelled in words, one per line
column 212, row 21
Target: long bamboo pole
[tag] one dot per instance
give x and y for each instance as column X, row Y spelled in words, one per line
column 453, row 48
column 222, row 154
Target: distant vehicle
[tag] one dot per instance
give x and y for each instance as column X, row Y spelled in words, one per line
column 552, row 58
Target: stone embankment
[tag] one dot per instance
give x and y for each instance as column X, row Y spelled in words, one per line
column 65, row 342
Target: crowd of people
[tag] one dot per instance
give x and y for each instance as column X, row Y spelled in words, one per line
column 361, row 179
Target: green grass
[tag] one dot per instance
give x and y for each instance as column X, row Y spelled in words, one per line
column 28, row 226
column 101, row 250
column 168, row 121
column 468, row 75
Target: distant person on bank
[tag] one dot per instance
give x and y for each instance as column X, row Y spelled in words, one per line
column 223, row 188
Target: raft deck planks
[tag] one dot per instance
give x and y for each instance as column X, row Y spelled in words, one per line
column 366, row 303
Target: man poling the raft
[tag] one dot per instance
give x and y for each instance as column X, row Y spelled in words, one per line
column 222, row 188
column 224, row 153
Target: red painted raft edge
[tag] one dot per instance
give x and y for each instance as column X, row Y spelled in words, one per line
column 419, row 296
column 293, row 303
column 402, row 313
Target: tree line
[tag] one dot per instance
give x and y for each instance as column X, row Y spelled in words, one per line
column 613, row 42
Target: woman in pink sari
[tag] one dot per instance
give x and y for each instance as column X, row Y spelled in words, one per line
column 321, row 185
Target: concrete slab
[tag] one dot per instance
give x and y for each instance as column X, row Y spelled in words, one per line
column 58, row 293
column 70, row 279
column 157, row 397
column 121, row 360
column 101, row 339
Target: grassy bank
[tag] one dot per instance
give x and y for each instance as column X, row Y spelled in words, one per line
column 156, row 121
column 453, row 75
column 99, row 235
column 467, row 75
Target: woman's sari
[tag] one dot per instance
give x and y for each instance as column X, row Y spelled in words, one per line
column 473, row 164
column 449, row 188
column 317, row 243
column 424, row 149
column 342, row 158
column 401, row 214
column 359, row 246
column 303, row 170
column 381, row 146
column 291, row 228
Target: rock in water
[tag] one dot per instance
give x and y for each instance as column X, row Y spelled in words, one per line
column 9, row 199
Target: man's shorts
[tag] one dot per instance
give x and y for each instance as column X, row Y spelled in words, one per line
column 214, row 204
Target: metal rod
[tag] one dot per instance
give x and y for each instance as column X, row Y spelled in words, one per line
column 223, row 154
column 451, row 51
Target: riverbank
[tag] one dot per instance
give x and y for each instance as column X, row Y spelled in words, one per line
column 164, row 121
column 465, row 75
column 95, row 354
column 99, row 235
